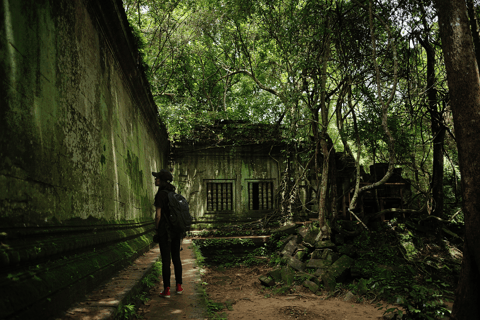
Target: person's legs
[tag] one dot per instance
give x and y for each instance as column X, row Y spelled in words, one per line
column 177, row 263
column 165, row 253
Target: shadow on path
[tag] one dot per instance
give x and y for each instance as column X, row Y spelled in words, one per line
column 186, row 306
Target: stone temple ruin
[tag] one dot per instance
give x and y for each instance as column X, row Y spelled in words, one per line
column 230, row 172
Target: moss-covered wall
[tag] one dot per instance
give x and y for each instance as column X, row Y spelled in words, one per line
column 74, row 141
column 79, row 138
column 196, row 164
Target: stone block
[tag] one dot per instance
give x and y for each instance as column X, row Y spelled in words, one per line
column 319, row 263
column 349, row 297
column 303, row 231
column 329, row 281
column 311, row 236
column 300, row 254
column 266, row 281
column 341, row 267
column 288, row 229
column 319, row 273
column 288, row 276
column 324, row 244
column 311, row 285
column 290, row 248
column 276, row 274
column 317, row 254
column 331, row 255
column 296, row 264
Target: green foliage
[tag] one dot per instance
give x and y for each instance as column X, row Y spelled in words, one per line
column 152, row 278
column 390, row 277
column 128, row 311
column 420, row 302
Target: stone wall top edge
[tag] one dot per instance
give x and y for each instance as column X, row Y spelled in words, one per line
column 113, row 20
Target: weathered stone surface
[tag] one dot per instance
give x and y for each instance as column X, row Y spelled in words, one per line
column 296, row 264
column 311, row 285
column 288, row 229
column 288, row 276
column 340, row 267
column 303, row 231
column 337, row 272
column 290, row 237
column 276, row 274
column 307, row 276
column 311, row 236
column 319, row 263
column 317, row 254
column 349, row 297
column 329, row 281
column 324, row 244
column 330, row 255
column 266, row 281
column 290, row 248
column 319, row 273
column 300, row 254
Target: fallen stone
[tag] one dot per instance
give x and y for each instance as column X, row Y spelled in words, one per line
column 303, row 231
column 288, row 229
column 296, row 264
column 329, row 281
column 300, row 254
column 317, row 254
column 308, row 276
column 324, row 244
column 349, row 297
column 311, row 236
column 266, row 281
column 311, row 285
column 319, row 273
column 337, row 272
column 290, row 237
column 318, row 263
column 276, row 274
column 331, row 256
column 288, row 276
column 290, row 248
column 341, row 267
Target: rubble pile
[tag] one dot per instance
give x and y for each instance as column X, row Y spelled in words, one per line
column 307, row 255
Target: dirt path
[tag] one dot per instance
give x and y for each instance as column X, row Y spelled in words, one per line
column 240, row 290
column 185, row 306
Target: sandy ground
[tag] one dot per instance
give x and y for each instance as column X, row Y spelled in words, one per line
column 241, row 289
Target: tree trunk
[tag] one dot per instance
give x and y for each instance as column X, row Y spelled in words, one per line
column 464, row 86
column 438, row 130
column 474, row 28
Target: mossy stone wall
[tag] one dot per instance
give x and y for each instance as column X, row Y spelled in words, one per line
column 79, row 138
column 79, row 129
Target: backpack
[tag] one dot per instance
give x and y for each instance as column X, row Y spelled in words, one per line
column 180, row 218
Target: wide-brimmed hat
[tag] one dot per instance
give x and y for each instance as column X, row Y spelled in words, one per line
column 163, row 175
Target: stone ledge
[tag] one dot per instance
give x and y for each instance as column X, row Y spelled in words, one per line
column 105, row 300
